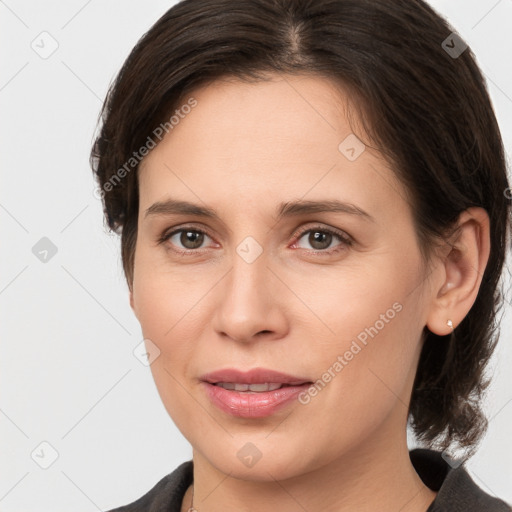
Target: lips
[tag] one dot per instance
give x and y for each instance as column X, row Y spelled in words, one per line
column 254, row 394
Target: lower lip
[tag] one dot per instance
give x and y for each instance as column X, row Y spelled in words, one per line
column 252, row 405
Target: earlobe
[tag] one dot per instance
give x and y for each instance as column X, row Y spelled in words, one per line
column 463, row 266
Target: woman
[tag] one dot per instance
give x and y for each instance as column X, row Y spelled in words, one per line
column 312, row 201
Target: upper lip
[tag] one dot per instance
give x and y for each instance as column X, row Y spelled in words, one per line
column 253, row 376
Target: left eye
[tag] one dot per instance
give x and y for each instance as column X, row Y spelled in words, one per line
column 321, row 239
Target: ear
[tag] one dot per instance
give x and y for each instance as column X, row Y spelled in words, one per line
column 463, row 267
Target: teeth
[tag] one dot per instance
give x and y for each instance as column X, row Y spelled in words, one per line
column 256, row 388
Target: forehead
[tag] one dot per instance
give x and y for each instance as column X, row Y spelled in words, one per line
column 281, row 114
column 264, row 139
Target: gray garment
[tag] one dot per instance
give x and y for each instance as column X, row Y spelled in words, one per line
column 457, row 492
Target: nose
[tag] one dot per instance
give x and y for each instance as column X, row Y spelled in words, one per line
column 250, row 302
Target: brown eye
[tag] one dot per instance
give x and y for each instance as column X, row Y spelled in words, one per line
column 186, row 239
column 191, row 239
column 321, row 240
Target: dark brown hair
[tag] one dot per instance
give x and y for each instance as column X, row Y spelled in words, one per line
column 425, row 108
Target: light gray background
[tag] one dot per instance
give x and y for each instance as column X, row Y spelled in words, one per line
column 68, row 374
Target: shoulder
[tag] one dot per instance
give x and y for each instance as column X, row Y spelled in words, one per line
column 167, row 494
column 456, row 490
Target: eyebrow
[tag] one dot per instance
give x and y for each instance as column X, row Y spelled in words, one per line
column 287, row 209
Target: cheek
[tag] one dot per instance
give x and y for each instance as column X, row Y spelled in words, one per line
column 165, row 296
column 168, row 306
column 351, row 302
column 366, row 346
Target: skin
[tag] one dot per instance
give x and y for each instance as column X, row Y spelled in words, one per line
column 241, row 151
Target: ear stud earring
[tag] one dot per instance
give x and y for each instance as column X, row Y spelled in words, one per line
column 450, row 324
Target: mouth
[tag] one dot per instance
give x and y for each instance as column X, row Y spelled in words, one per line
column 253, row 394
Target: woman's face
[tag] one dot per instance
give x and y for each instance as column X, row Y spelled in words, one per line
column 337, row 298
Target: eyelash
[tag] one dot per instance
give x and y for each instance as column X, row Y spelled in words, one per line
column 343, row 238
